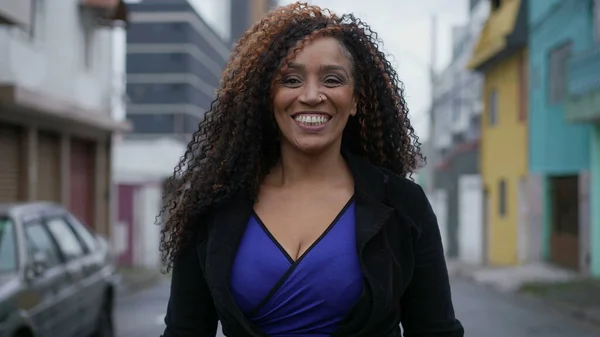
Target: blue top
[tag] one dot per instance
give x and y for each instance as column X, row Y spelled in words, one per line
column 307, row 297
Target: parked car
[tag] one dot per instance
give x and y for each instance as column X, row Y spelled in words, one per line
column 57, row 278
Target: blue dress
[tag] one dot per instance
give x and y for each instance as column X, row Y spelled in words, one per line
column 307, row 297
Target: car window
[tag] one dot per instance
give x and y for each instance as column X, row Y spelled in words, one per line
column 84, row 234
column 39, row 241
column 65, row 237
column 8, row 246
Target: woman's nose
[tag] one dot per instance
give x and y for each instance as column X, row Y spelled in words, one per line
column 311, row 94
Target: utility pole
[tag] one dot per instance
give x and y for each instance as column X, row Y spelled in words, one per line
column 432, row 160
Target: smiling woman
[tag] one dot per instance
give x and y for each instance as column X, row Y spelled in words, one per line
column 294, row 214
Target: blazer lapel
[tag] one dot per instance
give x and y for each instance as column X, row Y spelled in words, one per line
column 226, row 231
column 371, row 214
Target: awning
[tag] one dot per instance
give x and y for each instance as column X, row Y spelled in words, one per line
column 495, row 36
column 33, row 104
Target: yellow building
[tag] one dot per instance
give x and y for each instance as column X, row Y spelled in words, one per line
column 501, row 56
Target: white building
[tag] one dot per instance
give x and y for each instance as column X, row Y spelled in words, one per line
column 456, row 191
column 57, row 94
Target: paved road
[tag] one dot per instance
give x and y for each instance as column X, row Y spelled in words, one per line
column 484, row 313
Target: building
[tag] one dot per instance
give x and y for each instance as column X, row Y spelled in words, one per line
column 501, row 56
column 56, row 95
column 244, row 13
column 174, row 64
column 456, row 113
column 173, row 67
column 559, row 157
column 582, row 106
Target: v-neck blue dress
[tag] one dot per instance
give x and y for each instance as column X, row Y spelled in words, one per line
column 307, row 297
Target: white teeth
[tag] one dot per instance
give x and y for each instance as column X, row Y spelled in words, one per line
column 312, row 120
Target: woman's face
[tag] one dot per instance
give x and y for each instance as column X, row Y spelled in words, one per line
column 315, row 97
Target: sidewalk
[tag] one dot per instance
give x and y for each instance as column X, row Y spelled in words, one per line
column 566, row 291
column 134, row 279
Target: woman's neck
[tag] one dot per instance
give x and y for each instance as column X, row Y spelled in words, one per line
column 296, row 167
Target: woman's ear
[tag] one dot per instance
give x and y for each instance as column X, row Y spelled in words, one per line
column 354, row 107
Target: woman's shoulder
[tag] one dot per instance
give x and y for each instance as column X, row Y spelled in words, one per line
column 409, row 199
column 400, row 187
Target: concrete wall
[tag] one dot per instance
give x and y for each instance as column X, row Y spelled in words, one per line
column 61, row 57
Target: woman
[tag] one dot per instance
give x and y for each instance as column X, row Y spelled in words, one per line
column 294, row 216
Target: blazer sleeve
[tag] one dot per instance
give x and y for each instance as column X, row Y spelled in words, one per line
column 426, row 306
column 191, row 311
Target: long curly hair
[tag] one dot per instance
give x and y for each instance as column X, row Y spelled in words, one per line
column 237, row 143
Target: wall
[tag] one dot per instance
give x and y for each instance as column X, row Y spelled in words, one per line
column 503, row 156
column 52, row 59
column 552, row 24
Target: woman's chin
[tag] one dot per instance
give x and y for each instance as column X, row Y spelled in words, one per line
column 312, row 146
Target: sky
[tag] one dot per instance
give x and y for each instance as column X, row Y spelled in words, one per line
column 405, row 26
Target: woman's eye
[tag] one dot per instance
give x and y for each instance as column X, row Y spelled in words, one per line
column 291, row 81
column 332, row 80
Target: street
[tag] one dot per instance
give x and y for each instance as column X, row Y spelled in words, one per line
column 483, row 312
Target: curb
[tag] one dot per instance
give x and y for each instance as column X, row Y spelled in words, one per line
column 567, row 309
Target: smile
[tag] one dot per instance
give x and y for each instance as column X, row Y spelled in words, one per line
column 312, row 119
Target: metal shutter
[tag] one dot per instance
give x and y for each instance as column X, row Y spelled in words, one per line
column 48, row 158
column 10, row 163
column 82, row 181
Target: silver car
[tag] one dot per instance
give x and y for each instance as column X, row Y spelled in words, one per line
column 56, row 276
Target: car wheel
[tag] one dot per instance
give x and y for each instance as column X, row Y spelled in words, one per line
column 104, row 324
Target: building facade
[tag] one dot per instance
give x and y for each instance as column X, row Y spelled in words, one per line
column 174, row 64
column 456, row 113
column 501, row 56
column 56, row 95
column 175, row 57
column 582, row 106
column 560, row 151
column 244, row 13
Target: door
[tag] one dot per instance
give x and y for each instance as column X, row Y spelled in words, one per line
column 90, row 281
column 126, row 207
column 45, row 294
column 470, row 219
column 73, row 317
column 82, row 177
column 11, row 174
column 48, row 160
column 564, row 241
column 487, row 207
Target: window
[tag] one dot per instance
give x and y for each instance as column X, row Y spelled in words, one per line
column 65, row 237
column 87, row 238
column 502, row 207
column 152, row 123
column 523, row 87
column 496, row 4
column 557, row 73
column 8, row 247
column 493, row 108
column 39, row 241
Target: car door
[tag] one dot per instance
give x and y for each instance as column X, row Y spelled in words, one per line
column 72, row 252
column 41, row 298
column 93, row 284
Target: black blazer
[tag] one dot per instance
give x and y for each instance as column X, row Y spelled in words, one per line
column 400, row 251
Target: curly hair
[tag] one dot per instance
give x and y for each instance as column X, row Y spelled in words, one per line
column 237, row 143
